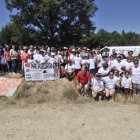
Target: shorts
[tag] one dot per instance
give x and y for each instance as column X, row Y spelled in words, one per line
column 84, row 86
column 110, row 90
column 127, row 90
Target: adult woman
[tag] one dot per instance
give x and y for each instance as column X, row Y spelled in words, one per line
column 8, row 58
column 111, row 82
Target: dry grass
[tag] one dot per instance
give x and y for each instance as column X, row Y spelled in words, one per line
column 53, row 91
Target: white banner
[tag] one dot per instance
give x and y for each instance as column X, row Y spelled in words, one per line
column 42, row 72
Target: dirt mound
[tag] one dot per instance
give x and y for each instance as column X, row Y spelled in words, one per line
column 49, row 91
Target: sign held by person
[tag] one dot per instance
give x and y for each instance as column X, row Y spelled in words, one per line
column 42, row 72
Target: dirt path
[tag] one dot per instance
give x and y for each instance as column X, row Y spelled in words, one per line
column 97, row 121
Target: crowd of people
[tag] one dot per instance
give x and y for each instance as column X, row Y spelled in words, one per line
column 100, row 71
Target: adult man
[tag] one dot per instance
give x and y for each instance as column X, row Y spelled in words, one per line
column 83, row 80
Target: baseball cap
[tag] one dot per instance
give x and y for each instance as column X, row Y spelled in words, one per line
column 98, row 75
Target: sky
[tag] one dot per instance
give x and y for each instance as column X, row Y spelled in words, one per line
column 112, row 15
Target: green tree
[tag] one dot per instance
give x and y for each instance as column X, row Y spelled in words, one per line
column 54, row 21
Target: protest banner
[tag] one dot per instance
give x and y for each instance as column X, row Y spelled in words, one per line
column 42, row 72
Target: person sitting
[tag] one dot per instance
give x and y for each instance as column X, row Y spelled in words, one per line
column 83, row 80
column 110, row 82
column 97, row 86
column 70, row 70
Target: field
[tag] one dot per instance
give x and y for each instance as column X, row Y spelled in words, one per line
column 55, row 111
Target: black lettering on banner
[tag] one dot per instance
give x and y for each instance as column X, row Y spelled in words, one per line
column 45, row 66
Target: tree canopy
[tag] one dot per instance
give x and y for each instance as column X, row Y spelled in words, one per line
column 54, row 22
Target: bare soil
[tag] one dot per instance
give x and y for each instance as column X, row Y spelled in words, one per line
column 55, row 111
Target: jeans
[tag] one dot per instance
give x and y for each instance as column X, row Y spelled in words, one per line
column 14, row 65
column 9, row 64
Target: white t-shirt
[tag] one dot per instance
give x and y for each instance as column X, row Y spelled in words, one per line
column 91, row 63
column 97, row 84
column 136, row 75
column 14, row 54
column 30, row 61
column 47, row 58
column 129, row 65
column 103, row 72
column 71, row 57
column 84, row 61
column 126, row 82
column 39, row 58
column 77, row 61
column 69, row 68
column 112, row 63
column 110, row 83
column 101, row 62
column 52, row 60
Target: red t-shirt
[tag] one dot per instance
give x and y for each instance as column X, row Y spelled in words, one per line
column 83, row 79
column 24, row 57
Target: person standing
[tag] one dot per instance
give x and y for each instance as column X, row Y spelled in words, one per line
column 8, row 58
column 24, row 57
column 14, row 57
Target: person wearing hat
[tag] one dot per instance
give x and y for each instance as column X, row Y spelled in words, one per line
column 24, row 56
column 70, row 70
column 135, row 73
column 97, row 86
